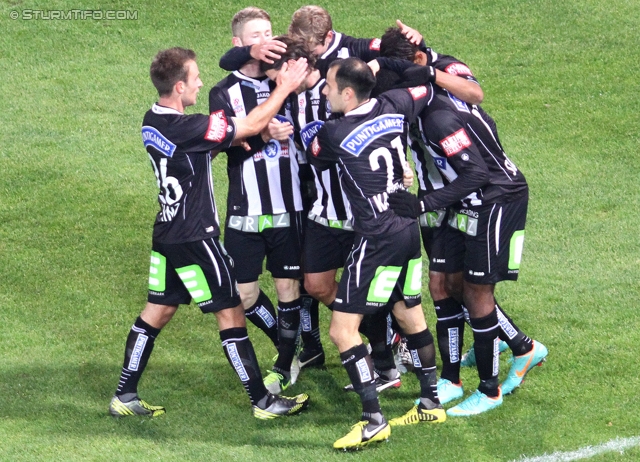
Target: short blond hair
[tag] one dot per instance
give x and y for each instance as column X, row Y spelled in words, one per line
column 244, row 16
column 312, row 23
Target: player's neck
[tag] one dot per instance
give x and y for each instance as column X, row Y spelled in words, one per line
column 252, row 69
column 355, row 105
column 172, row 103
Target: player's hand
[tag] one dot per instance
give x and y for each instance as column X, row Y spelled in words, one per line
column 405, row 204
column 412, row 35
column 280, row 131
column 374, row 65
column 292, row 75
column 268, row 51
column 407, row 178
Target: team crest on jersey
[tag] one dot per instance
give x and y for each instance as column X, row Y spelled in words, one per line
column 217, row 130
column 309, row 132
column 272, row 150
column 458, row 69
column 152, row 137
column 315, row 147
column 418, row 92
column 375, row 44
column 455, row 143
column 365, row 134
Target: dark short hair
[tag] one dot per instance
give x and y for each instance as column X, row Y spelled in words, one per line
column 355, row 73
column 394, row 44
column 296, row 48
column 168, row 68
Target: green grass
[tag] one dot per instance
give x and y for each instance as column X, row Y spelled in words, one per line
column 77, row 201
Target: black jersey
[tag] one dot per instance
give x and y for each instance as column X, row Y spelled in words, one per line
column 343, row 46
column 367, row 143
column 264, row 181
column 429, row 176
column 468, row 154
column 309, row 109
column 179, row 147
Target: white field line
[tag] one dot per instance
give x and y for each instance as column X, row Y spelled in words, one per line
column 617, row 445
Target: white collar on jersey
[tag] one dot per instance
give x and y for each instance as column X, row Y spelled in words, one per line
column 364, row 109
column 256, row 82
column 157, row 109
column 337, row 36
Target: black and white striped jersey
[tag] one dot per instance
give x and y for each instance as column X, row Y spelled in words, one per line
column 179, row 147
column 263, row 182
column 368, row 143
column 307, row 109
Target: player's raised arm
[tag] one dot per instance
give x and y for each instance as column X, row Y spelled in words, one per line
column 289, row 78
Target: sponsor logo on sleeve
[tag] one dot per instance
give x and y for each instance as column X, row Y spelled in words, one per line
column 365, row 134
column 309, row 132
column 455, row 143
column 458, row 69
column 315, row 147
column 217, row 130
column 418, row 92
column 375, row 44
column 152, row 137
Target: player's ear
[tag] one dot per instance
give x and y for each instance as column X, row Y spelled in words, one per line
column 328, row 38
column 420, row 58
column 236, row 42
column 179, row 86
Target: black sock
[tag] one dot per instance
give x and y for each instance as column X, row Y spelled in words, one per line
column 263, row 316
column 288, row 325
column 239, row 352
column 310, row 323
column 423, row 352
column 136, row 355
column 485, row 336
column 359, row 366
column 450, row 333
column 510, row 333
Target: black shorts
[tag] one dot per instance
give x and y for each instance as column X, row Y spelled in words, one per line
column 281, row 246
column 444, row 247
column 493, row 239
column 200, row 270
column 325, row 248
column 381, row 269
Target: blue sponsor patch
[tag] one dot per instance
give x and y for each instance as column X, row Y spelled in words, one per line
column 309, row 132
column 460, row 105
column 366, row 133
column 152, row 137
column 440, row 163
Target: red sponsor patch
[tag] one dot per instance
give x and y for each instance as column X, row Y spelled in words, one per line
column 455, row 143
column 375, row 44
column 217, row 130
column 418, row 92
column 458, row 69
column 315, row 147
